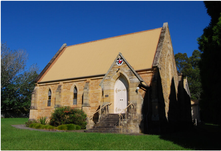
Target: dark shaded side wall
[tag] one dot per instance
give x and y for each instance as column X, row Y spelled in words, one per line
column 178, row 117
column 166, row 106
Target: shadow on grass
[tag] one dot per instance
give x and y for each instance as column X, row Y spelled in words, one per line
column 200, row 137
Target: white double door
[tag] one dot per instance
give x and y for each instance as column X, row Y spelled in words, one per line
column 120, row 95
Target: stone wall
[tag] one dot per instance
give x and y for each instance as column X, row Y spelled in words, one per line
column 91, row 95
column 62, row 95
column 169, row 99
column 167, row 68
column 134, row 96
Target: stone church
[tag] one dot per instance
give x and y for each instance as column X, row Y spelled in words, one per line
column 133, row 76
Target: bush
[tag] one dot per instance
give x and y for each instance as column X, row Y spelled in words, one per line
column 43, row 120
column 71, row 126
column 43, row 126
column 78, row 127
column 67, row 115
column 62, row 127
column 32, row 125
column 35, row 125
column 79, row 118
column 27, row 124
column 49, row 127
column 38, row 126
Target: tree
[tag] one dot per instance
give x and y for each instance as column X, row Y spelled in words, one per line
column 194, row 77
column 17, row 84
column 210, row 46
column 12, row 62
column 189, row 67
column 183, row 63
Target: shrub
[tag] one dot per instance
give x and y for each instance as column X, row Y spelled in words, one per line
column 79, row 118
column 43, row 120
column 40, row 126
column 62, row 127
column 37, row 125
column 67, row 115
column 78, row 127
column 71, row 127
column 27, row 124
column 32, row 125
column 43, row 126
column 49, row 127
column 58, row 117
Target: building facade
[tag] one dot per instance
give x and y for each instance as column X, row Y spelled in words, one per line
column 133, row 75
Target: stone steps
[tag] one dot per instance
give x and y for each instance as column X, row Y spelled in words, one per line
column 107, row 125
column 104, row 130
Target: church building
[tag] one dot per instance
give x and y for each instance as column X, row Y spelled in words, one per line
column 133, row 76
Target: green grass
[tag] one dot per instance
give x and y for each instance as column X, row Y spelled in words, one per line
column 19, row 139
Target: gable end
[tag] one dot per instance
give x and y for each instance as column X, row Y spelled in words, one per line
column 160, row 45
column 50, row 62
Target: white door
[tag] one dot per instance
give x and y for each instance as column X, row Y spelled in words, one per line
column 120, row 95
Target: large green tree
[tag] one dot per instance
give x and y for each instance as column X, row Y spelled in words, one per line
column 17, row 83
column 210, row 46
column 189, row 67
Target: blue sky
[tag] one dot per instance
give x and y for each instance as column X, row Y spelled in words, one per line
column 42, row 27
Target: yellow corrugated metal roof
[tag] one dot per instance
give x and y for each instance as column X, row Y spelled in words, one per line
column 96, row 57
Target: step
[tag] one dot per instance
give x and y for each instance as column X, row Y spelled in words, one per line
column 106, row 125
column 103, row 130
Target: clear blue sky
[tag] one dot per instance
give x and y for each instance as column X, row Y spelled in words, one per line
column 42, row 27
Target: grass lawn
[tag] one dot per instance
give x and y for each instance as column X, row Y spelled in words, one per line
column 19, row 139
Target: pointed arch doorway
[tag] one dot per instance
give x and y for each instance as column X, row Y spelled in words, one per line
column 120, row 95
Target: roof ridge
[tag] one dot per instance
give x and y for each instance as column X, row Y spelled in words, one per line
column 113, row 37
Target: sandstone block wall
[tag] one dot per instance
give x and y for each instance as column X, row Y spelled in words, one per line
column 135, row 97
column 62, row 95
column 167, row 69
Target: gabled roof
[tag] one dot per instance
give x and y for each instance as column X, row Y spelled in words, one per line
column 94, row 58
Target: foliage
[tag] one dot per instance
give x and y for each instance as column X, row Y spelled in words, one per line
column 12, row 62
column 67, row 115
column 32, row 125
column 189, row 67
column 71, row 126
column 68, row 127
column 183, row 63
column 37, row 125
column 43, row 120
column 79, row 118
column 41, row 126
column 78, row 127
column 16, row 83
column 62, row 127
column 30, row 122
column 210, row 46
column 49, row 127
column 58, row 117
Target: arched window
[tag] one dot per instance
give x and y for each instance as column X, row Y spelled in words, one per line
column 75, row 96
column 49, row 97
